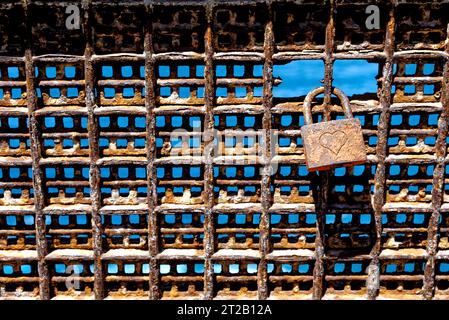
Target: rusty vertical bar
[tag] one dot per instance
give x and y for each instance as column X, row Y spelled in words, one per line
column 323, row 191
column 209, row 97
column 438, row 183
column 94, row 153
column 373, row 281
column 35, row 146
column 266, row 198
column 150, row 105
column 329, row 60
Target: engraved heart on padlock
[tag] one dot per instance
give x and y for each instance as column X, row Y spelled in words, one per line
column 333, row 141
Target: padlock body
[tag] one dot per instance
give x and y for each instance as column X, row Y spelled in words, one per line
column 333, row 144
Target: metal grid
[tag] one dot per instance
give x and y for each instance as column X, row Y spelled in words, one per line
column 141, row 222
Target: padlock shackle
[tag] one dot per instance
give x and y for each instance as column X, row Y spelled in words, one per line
column 312, row 94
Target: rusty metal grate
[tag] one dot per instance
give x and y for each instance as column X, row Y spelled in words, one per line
column 97, row 200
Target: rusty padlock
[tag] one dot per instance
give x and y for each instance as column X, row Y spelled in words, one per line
column 333, row 143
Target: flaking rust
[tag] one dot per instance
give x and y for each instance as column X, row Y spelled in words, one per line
column 331, row 144
column 97, row 201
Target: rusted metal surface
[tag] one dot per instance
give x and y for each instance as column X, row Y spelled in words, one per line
column 93, row 180
column 334, row 143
